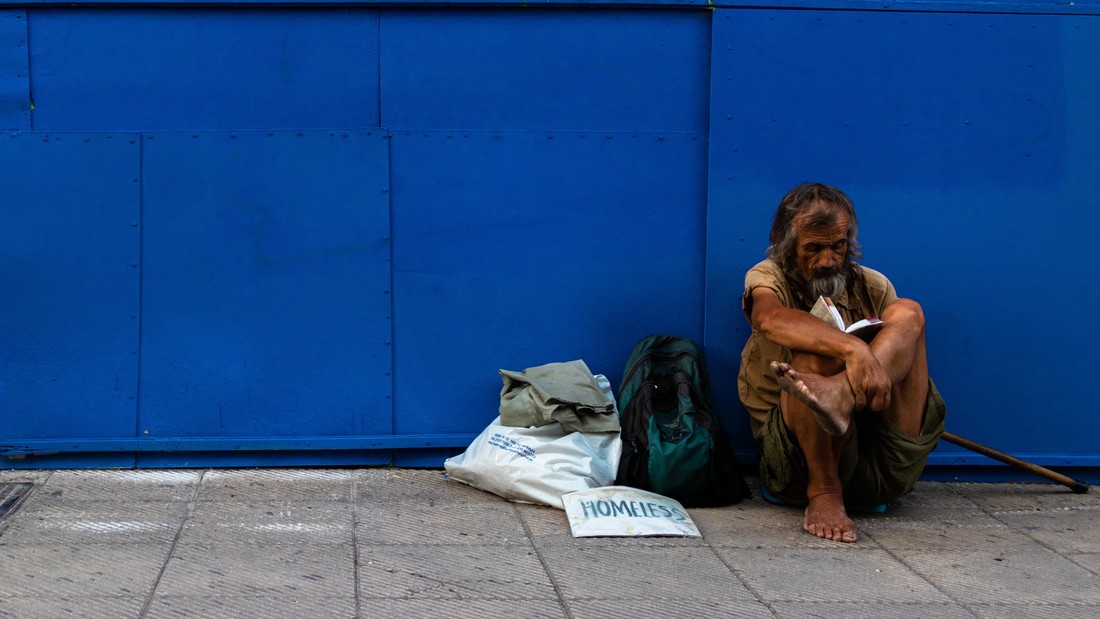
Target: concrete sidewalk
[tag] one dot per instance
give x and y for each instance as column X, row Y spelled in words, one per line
column 408, row 543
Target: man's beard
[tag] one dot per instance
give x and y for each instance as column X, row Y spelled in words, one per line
column 826, row 283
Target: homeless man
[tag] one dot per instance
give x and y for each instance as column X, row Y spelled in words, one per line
column 842, row 425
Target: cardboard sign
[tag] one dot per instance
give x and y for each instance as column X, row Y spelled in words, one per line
column 620, row 511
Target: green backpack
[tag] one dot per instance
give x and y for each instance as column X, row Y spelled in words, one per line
column 672, row 443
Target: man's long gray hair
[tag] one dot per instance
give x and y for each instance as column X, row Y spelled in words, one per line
column 808, row 199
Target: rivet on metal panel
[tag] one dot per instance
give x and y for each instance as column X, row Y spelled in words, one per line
column 424, row 135
column 344, row 135
column 729, row 116
column 583, row 136
column 905, row 123
column 134, row 223
column 609, row 137
column 729, row 178
column 46, row 139
column 133, row 265
column 387, row 342
column 966, row 122
column 389, row 373
column 132, row 140
column 385, row 190
column 549, row 137
column 129, row 397
column 332, row 134
column 232, row 136
column 386, row 238
column 133, row 316
column 299, row 134
column 109, row 136
column 660, row 137
column 385, row 292
column 134, row 180
column 148, row 137
column 194, row 136
column 270, row 134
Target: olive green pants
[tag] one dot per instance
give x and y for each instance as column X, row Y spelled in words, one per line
column 878, row 465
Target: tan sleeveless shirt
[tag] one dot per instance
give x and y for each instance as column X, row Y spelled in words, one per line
column 759, row 391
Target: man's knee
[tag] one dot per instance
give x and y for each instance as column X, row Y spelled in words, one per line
column 904, row 310
column 816, row 364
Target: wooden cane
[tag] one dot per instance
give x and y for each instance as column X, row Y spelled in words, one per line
column 1078, row 487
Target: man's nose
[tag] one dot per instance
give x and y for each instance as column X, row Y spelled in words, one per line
column 828, row 260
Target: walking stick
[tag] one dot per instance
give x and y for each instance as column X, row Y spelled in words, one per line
column 1078, row 487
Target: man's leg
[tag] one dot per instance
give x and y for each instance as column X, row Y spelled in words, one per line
column 817, row 406
column 900, row 350
column 825, row 515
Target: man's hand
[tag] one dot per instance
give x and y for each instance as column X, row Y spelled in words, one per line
column 870, row 383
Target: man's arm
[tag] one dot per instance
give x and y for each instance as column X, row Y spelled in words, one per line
column 799, row 331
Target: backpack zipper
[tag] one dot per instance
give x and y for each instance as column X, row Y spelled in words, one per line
column 647, row 356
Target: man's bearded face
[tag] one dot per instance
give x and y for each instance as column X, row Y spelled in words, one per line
column 821, row 254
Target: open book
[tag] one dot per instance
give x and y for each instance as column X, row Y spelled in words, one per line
column 864, row 329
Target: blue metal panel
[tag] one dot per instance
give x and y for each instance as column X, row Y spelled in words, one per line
column 517, row 249
column 68, row 259
column 266, row 285
column 195, row 69
column 967, row 144
column 14, row 75
column 1060, row 7
column 545, row 70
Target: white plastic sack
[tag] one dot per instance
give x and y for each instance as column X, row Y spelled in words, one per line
column 619, row 511
column 537, row 465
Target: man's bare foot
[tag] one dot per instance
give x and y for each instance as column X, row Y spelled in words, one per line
column 830, row 398
column 826, row 518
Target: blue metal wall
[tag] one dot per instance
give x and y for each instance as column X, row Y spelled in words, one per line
column 312, row 234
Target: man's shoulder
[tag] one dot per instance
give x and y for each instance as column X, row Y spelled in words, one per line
column 766, row 269
column 876, row 280
column 766, row 274
column 879, row 288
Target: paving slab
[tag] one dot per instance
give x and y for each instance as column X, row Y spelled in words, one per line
column 265, row 522
column 82, row 607
column 1006, row 577
column 1037, row 611
column 846, row 573
column 947, row 529
column 94, row 522
column 276, row 485
column 628, row 572
column 307, row 570
column 455, row 572
column 1066, row 530
column 75, row 570
column 377, row 542
column 874, row 610
column 484, row 609
column 658, row 608
column 252, row 607
column 428, row 485
column 489, row 523
column 114, row 486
